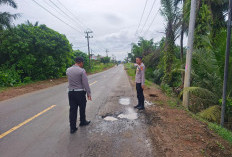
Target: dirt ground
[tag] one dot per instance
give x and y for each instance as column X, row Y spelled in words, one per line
column 16, row 91
column 175, row 133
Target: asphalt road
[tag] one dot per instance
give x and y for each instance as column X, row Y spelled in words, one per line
column 36, row 124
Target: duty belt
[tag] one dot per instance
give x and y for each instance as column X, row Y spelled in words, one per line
column 76, row 90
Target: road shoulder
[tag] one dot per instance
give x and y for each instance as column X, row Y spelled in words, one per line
column 12, row 92
column 174, row 132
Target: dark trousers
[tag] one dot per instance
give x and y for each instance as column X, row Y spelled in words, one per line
column 140, row 95
column 76, row 99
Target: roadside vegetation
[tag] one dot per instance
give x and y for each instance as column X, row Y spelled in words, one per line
column 175, row 103
column 31, row 52
column 165, row 60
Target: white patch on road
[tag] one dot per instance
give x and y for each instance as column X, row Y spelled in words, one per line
column 131, row 114
column 110, row 118
column 124, row 101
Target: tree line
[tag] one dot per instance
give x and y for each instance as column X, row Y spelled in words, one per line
column 165, row 60
column 31, row 52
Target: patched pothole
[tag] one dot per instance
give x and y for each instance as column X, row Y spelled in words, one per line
column 124, row 101
column 129, row 114
column 110, row 118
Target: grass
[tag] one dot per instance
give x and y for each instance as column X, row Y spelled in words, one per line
column 174, row 103
column 98, row 67
column 224, row 133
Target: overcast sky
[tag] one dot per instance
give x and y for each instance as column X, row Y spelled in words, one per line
column 114, row 22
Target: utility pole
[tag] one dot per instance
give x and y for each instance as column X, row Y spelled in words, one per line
column 107, row 52
column 189, row 52
column 87, row 36
column 227, row 55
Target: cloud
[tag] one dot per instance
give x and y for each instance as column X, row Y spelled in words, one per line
column 113, row 19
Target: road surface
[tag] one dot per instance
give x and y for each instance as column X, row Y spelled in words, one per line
column 36, row 124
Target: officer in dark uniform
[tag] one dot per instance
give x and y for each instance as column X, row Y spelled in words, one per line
column 77, row 89
column 140, row 80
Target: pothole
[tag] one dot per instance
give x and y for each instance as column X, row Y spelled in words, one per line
column 124, row 101
column 153, row 95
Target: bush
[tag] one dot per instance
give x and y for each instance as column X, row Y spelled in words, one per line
column 211, row 114
column 9, row 77
column 165, row 88
column 158, row 74
column 37, row 52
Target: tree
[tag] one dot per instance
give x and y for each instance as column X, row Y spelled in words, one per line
column 5, row 17
column 171, row 13
column 38, row 52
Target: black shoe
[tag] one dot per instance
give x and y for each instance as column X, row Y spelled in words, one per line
column 84, row 123
column 140, row 108
column 136, row 106
column 72, row 131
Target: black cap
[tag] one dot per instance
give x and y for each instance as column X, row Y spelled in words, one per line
column 79, row 60
column 140, row 57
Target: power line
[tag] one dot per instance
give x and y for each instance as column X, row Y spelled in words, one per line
column 141, row 16
column 56, row 10
column 63, row 12
column 55, row 16
column 148, row 15
column 151, row 23
column 84, row 26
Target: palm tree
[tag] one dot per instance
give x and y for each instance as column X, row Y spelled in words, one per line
column 171, row 13
column 5, row 17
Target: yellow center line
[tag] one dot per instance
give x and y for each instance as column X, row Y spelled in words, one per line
column 25, row 122
column 93, row 83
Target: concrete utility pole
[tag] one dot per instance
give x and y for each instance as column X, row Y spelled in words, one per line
column 87, row 36
column 227, row 55
column 189, row 52
column 107, row 52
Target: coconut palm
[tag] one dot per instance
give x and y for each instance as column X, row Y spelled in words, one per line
column 5, row 17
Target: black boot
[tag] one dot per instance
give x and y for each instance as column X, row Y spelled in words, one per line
column 141, row 107
column 136, row 106
column 73, row 130
column 84, row 123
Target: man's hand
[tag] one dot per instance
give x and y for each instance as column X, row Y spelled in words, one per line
column 90, row 98
column 142, row 87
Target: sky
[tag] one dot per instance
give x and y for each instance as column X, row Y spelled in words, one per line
column 115, row 23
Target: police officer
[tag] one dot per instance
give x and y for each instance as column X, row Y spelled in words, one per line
column 140, row 80
column 77, row 89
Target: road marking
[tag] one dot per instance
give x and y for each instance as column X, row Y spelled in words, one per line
column 25, row 122
column 93, row 83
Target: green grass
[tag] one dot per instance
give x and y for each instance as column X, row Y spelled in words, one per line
column 224, row 133
column 98, row 67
